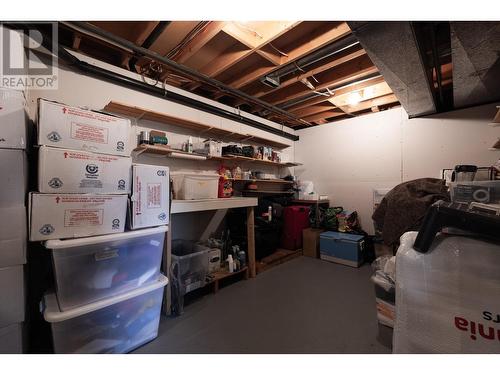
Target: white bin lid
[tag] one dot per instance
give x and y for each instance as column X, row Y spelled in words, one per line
column 53, row 314
column 77, row 242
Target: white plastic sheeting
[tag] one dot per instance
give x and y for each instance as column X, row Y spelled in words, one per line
column 448, row 300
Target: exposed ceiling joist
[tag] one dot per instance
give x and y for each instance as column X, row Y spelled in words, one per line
column 340, row 91
column 311, row 110
column 331, row 34
column 207, row 34
column 370, row 92
column 354, row 70
column 324, row 115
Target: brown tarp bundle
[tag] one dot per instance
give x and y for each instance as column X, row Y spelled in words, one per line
column 404, row 207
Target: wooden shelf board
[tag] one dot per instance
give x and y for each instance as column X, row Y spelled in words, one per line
column 252, row 160
column 284, row 182
column 145, row 114
column 267, row 192
column 196, row 205
column 278, row 257
column 222, row 274
column 310, row 201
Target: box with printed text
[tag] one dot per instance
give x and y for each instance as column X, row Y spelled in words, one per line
column 149, row 203
column 63, row 126
column 55, row 216
column 13, row 119
column 67, row 171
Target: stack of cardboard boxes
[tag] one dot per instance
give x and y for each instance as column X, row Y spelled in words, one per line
column 13, row 187
column 102, row 274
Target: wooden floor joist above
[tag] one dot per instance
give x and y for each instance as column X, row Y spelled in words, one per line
column 314, row 70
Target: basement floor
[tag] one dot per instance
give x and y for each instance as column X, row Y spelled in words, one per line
column 302, row 306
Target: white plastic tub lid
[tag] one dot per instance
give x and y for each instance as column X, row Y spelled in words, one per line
column 53, row 314
column 77, row 242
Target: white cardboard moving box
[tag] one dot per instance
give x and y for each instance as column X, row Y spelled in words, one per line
column 13, row 236
column 150, row 196
column 13, row 172
column 54, row 216
column 12, row 119
column 67, row 171
column 11, row 295
column 63, row 126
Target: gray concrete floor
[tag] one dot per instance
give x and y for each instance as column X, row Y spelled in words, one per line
column 302, row 306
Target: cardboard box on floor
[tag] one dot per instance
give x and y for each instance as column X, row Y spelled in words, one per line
column 310, row 239
column 13, row 119
column 55, row 216
column 67, row 171
column 13, row 172
column 13, row 236
column 64, row 126
column 149, row 203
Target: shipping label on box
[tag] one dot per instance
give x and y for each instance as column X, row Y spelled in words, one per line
column 54, row 216
column 150, row 196
column 13, row 119
column 66, row 171
column 63, row 126
column 13, row 236
column 13, row 174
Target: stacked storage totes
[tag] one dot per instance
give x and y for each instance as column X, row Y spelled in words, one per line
column 13, row 238
column 108, row 286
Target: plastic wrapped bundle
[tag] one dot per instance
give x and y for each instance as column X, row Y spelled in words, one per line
column 448, row 298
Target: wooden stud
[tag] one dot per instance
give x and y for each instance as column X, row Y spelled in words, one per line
column 251, row 241
column 333, row 33
column 368, row 104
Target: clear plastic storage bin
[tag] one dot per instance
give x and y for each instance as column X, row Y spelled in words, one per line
column 11, row 339
column 195, row 185
column 475, row 191
column 94, row 268
column 188, row 271
column 118, row 324
column 12, row 304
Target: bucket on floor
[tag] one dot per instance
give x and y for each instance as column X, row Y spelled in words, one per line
column 93, row 268
column 118, row 324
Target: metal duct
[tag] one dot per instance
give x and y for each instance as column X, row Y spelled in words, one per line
column 475, row 52
column 393, row 49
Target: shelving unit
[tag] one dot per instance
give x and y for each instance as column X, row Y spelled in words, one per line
column 206, row 130
column 172, row 153
column 284, row 182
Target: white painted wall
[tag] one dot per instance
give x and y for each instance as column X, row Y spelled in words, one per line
column 350, row 158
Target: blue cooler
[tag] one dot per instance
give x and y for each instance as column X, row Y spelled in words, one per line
column 343, row 248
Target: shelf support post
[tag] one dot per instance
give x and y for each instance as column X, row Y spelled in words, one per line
column 251, row 240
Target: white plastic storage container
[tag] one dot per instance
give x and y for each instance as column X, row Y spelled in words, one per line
column 11, row 295
column 94, row 268
column 195, row 185
column 11, row 339
column 115, row 325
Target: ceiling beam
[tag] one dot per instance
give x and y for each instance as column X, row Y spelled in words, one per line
column 347, row 72
column 324, row 115
column 340, row 91
column 330, row 34
column 368, row 104
column 205, row 36
column 343, row 57
column 254, row 40
column 304, row 112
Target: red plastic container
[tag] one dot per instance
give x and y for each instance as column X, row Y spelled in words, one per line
column 296, row 218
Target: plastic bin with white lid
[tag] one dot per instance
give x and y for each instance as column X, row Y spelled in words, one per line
column 93, row 268
column 195, row 185
column 118, row 324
